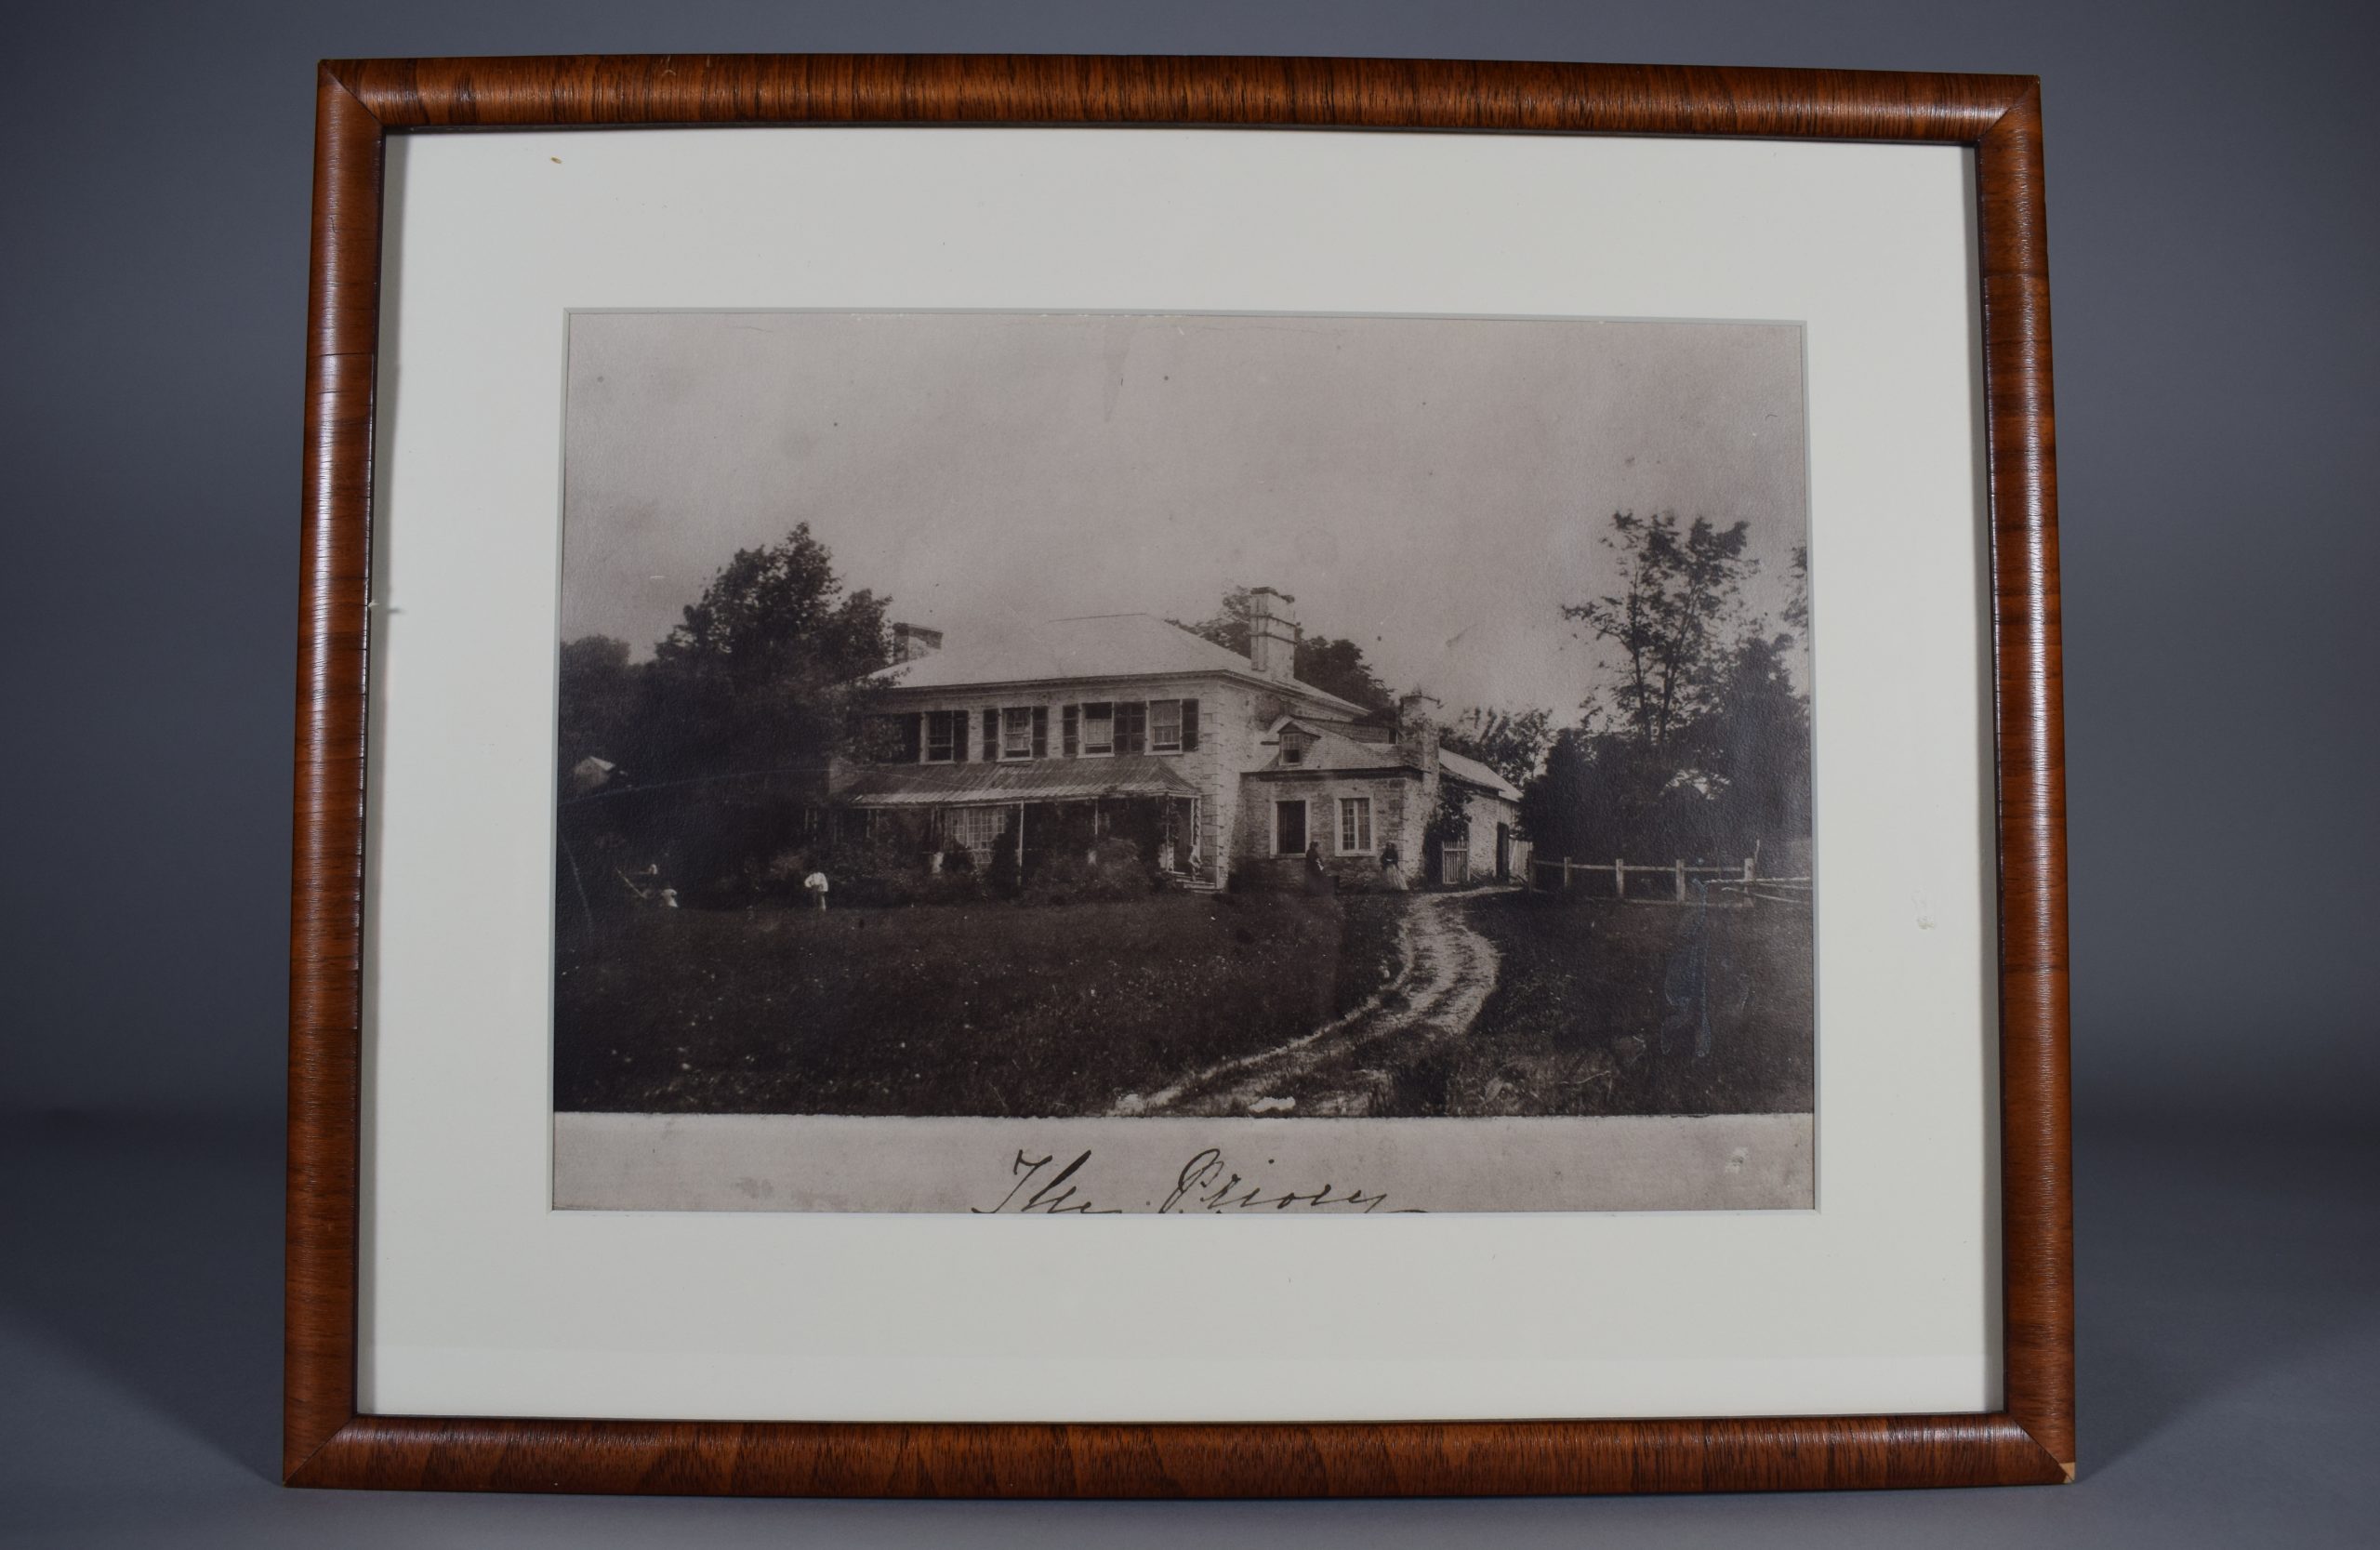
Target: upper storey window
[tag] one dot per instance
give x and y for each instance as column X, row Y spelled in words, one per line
column 1016, row 732
column 946, row 736
column 1165, row 726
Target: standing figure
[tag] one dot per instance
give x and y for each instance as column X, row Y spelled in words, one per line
column 817, row 883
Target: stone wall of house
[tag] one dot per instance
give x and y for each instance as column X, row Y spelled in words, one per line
column 1233, row 721
column 1398, row 815
column 1483, row 812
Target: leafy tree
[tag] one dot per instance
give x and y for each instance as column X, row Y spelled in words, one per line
column 763, row 671
column 1757, row 743
column 1672, row 620
column 599, row 691
column 1335, row 666
column 1698, row 745
column 1511, row 743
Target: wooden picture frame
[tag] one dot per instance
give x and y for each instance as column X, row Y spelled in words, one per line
column 328, row 1442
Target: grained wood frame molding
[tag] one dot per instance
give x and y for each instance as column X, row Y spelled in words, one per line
column 326, row 1442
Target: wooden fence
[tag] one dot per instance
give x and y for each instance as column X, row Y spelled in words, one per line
column 1742, row 884
column 1454, row 863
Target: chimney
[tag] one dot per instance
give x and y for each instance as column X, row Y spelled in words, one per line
column 913, row 640
column 1417, row 733
column 1272, row 633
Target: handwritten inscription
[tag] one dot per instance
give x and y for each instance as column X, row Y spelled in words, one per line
column 1051, row 1195
column 1040, row 1186
column 1207, row 1183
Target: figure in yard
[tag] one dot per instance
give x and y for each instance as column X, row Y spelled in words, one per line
column 1316, row 879
column 1391, row 867
column 817, row 883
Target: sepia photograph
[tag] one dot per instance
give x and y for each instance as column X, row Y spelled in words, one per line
column 1073, row 763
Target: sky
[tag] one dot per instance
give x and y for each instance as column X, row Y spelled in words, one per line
column 1434, row 488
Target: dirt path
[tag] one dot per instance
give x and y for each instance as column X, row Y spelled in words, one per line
column 1348, row 1067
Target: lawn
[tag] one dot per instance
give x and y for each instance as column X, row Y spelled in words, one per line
column 1599, row 1006
column 991, row 1009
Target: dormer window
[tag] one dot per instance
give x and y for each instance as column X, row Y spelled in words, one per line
column 1294, row 744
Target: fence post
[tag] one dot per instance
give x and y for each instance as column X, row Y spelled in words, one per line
column 1681, row 880
column 1566, row 874
column 1748, row 861
column 1618, row 878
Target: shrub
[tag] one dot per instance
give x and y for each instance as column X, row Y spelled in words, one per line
column 1110, row 868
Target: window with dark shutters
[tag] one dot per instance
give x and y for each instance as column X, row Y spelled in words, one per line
column 1131, row 728
column 1165, row 726
column 991, row 736
column 1070, row 722
column 1017, row 723
column 1189, row 726
column 946, row 736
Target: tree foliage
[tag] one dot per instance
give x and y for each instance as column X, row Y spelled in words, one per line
column 721, row 738
column 1697, row 742
column 1512, row 743
column 763, row 671
column 1669, row 622
column 599, row 693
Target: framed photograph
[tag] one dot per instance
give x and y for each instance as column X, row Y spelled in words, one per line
column 1134, row 776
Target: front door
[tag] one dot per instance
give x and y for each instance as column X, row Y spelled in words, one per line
column 1289, row 827
column 1503, row 853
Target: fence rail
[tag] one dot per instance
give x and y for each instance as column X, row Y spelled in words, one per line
column 1744, row 881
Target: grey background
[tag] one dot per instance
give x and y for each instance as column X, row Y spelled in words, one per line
column 2211, row 188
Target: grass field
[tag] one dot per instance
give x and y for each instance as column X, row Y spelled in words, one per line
column 1575, row 1023
column 970, row 1010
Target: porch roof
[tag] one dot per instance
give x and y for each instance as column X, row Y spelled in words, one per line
column 1041, row 780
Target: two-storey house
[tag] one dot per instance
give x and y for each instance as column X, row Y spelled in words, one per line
column 1124, row 724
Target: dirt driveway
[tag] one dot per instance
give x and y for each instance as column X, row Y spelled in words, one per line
column 1349, row 1067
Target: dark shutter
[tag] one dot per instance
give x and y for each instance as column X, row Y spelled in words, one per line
column 1040, row 732
column 1070, row 723
column 912, row 738
column 991, row 736
column 1133, row 728
column 959, row 739
column 1189, row 726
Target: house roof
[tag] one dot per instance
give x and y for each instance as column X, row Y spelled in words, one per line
column 1103, row 645
column 1471, row 772
column 1335, row 749
column 1041, row 780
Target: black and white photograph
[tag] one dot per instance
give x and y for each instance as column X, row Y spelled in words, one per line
column 1071, row 763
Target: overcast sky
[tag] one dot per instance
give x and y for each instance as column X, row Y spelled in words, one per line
column 1434, row 488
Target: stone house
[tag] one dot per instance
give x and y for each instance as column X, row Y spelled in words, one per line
column 1213, row 764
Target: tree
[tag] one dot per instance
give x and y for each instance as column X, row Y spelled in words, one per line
column 1335, row 666
column 1672, row 619
column 1699, row 744
column 599, row 691
column 1511, row 743
column 1757, row 742
column 764, row 671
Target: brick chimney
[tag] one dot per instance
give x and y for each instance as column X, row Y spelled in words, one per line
column 913, row 640
column 1417, row 731
column 1272, row 633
